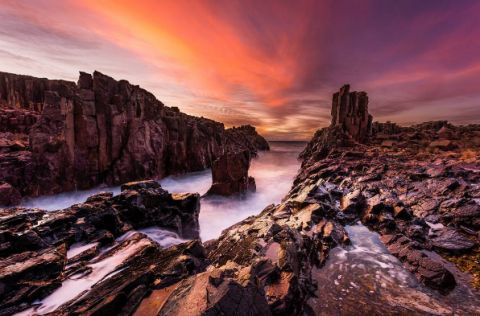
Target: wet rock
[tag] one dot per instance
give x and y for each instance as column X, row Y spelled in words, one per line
column 230, row 174
column 28, row 275
column 451, row 240
column 431, row 272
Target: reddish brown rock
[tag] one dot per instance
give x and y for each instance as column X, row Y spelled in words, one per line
column 101, row 130
column 350, row 113
column 230, row 174
column 9, row 195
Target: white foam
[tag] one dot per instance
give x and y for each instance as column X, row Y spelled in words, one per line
column 78, row 248
column 163, row 237
column 75, row 285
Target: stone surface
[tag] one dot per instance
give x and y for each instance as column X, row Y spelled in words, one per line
column 100, row 130
column 230, row 174
column 422, row 201
column 350, row 113
column 33, row 243
column 9, row 195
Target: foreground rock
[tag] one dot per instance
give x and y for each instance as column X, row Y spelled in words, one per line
column 60, row 136
column 230, row 174
column 33, row 243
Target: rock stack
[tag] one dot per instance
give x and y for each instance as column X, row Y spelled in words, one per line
column 350, row 113
column 230, row 174
column 351, row 125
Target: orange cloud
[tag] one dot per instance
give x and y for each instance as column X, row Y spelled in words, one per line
column 213, row 54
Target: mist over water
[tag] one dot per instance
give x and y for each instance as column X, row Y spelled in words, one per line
column 273, row 171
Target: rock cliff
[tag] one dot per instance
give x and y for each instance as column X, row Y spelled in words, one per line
column 418, row 187
column 59, row 136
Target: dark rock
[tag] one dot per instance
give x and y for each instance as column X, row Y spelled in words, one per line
column 451, row 240
column 9, row 195
column 230, row 174
column 102, row 131
column 350, row 113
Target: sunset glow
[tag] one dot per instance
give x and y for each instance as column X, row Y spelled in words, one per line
column 273, row 64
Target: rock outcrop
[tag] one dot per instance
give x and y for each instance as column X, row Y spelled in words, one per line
column 350, row 126
column 417, row 186
column 230, row 174
column 67, row 136
column 33, row 243
column 422, row 200
column 350, row 113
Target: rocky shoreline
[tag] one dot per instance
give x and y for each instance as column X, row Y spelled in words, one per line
column 58, row 136
column 418, row 187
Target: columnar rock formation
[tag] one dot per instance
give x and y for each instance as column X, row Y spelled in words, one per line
column 422, row 198
column 350, row 113
column 351, row 125
column 230, row 174
column 75, row 136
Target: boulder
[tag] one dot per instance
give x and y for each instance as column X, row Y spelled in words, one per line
column 230, row 174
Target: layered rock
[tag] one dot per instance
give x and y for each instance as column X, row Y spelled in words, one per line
column 103, row 131
column 350, row 113
column 34, row 243
column 351, row 125
column 423, row 201
column 417, row 186
column 230, row 174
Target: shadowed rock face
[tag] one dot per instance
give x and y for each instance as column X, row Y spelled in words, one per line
column 350, row 113
column 230, row 174
column 351, row 125
column 61, row 136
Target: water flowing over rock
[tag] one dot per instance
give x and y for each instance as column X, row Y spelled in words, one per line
column 34, row 243
column 422, row 203
column 66, row 136
column 230, row 174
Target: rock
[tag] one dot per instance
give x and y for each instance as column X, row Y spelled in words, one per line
column 9, row 195
column 230, row 174
column 444, row 144
column 351, row 124
column 28, row 275
column 350, row 112
column 103, row 131
column 429, row 271
column 238, row 137
column 451, row 240
column 198, row 295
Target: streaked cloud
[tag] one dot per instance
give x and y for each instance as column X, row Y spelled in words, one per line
column 274, row 64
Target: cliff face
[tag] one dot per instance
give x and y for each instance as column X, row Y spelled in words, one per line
column 417, row 187
column 100, row 130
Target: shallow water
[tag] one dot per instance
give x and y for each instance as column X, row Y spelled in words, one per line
column 101, row 267
column 273, row 171
column 366, row 277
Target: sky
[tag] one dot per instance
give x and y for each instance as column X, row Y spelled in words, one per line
column 272, row 63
